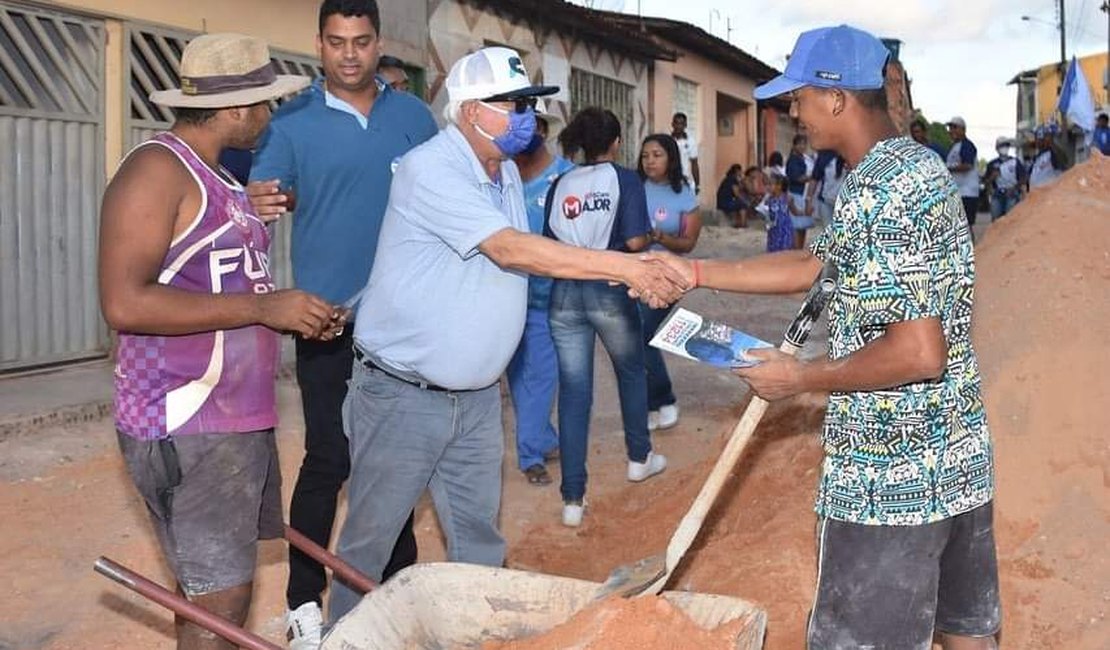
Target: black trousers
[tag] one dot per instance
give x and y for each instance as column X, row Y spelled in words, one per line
column 323, row 369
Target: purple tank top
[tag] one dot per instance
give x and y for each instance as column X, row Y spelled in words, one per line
column 210, row 382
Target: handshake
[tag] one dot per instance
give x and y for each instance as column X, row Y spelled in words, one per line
column 657, row 278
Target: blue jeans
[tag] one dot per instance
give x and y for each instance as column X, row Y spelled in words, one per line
column 404, row 440
column 660, row 392
column 1002, row 202
column 533, row 377
column 579, row 310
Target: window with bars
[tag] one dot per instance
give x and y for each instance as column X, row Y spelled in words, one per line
column 588, row 89
column 686, row 101
column 49, row 63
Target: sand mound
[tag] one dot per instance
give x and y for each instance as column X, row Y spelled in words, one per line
column 1042, row 331
column 618, row 624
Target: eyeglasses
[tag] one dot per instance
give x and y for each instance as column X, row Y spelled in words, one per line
column 520, row 104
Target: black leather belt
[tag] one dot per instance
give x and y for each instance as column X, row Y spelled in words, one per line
column 365, row 360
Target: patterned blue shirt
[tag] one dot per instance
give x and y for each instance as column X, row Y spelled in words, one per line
column 920, row 452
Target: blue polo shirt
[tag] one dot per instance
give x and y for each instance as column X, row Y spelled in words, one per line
column 436, row 309
column 339, row 164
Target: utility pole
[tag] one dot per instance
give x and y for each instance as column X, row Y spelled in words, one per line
column 1063, row 42
column 1106, row 73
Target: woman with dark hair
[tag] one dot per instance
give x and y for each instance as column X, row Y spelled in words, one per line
column 676, row 224
column 599, row 205
column 729, row 197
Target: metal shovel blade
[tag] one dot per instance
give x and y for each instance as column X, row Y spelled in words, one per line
column 629, row 580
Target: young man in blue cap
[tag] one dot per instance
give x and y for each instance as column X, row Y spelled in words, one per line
column 904, row 502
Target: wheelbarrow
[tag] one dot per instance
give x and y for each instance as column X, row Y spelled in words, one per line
column 448, row 606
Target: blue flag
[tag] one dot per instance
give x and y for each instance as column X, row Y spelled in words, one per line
column 1076, row 102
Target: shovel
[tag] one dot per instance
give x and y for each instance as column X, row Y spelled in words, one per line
column 650, row 575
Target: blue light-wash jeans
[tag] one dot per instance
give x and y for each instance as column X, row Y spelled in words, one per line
column 405, row 439
column 1002, row 203
column 660, row 392
column 533, row 376
column 581, row 309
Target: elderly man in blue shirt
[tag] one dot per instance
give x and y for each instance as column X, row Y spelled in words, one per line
column 442, row 315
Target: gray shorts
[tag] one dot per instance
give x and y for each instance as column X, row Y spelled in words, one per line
column 890, row 587
column 211, row 497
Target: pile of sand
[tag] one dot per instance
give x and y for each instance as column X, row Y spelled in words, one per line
column 619, row 624
column 1042, row 331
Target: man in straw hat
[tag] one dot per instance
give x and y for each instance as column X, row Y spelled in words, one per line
column 185, row 279
column 906, row 542
column 442, row 315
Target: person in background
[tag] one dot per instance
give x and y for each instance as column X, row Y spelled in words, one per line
column 919, row 131
column 775, row 165
column 780, row 225
column 828, row 176
column 798, row 179
column 392, row 71
column 533, row 371
column 754, row 192
column 238, row 163
column 688, row 148
column 334, row 147
column 729, row 197
column 1101, row 137
column 962, row 160
column 905, row 500
column 675, row 227
column 1005, row 178
column 599, row 206
column 1048, row 163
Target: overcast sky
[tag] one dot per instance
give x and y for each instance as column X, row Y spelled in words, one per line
column 959, row 54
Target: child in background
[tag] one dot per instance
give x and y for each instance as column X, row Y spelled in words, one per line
column 780, row 227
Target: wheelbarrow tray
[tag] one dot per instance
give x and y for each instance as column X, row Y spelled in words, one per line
column 450, row 606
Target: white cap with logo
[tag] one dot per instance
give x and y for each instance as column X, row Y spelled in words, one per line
column 493, row 74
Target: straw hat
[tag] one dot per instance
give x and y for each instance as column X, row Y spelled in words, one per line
column 224, row 70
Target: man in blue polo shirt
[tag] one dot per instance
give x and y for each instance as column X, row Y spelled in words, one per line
column 334, row 148
column 441, row 317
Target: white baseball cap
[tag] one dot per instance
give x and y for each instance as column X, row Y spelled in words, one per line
column 957, row 121
column 492, row 73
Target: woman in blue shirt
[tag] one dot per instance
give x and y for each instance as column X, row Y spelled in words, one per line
column 599, row 205
column 675, row 226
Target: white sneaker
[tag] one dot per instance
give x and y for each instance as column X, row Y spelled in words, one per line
column 304, row 626
column 668, row 417
column 651, row 466
column 653, row 420
column 572, row 513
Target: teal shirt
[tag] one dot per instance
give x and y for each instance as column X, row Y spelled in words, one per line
column 339, row 164
column 920, row 452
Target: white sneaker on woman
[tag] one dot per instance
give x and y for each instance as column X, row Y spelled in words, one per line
column 668, row 416
column 572, row 513
column 652, row 465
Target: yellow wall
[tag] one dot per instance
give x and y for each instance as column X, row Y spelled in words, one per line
column 1048, row 81
column 715, row 154
column 286, row 24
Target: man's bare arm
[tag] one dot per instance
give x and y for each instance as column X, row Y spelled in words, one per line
column 536, row 255
column 138, row 217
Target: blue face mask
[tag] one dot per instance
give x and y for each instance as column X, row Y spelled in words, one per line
column 522, row 126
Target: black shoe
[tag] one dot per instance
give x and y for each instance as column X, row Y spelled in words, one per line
column 537, row 475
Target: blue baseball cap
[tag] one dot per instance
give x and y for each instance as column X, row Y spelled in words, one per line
column 831, row 57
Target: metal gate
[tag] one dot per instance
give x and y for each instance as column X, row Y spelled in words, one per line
column 51, row 175
column 153, row 62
